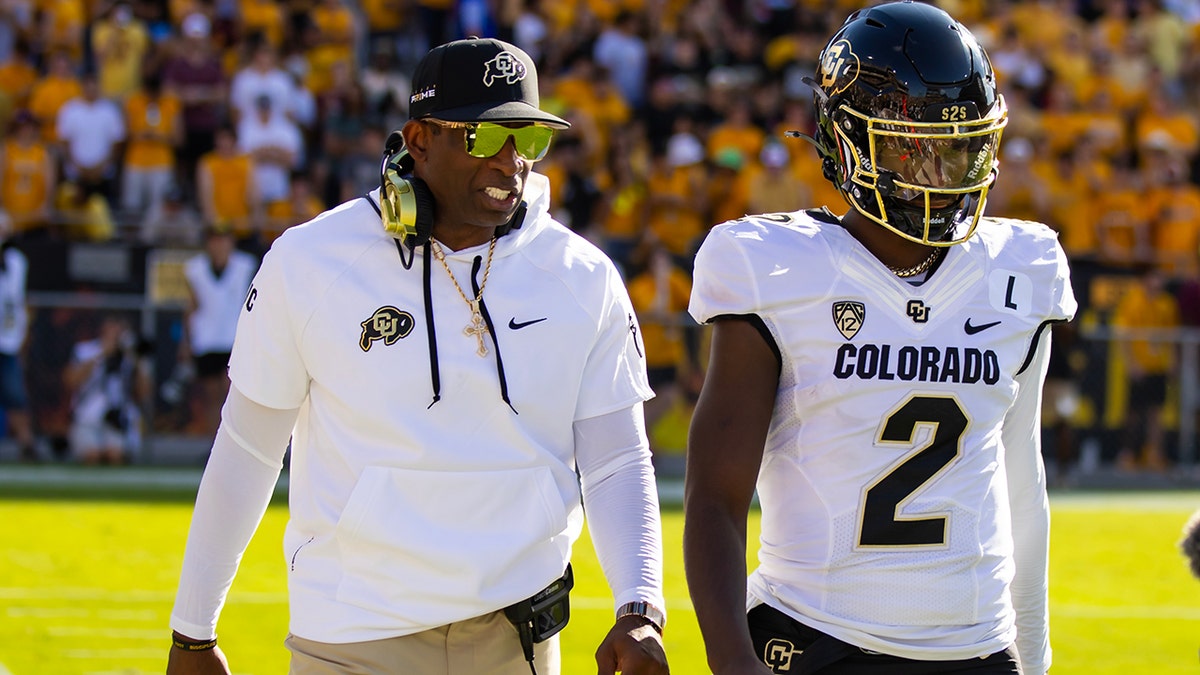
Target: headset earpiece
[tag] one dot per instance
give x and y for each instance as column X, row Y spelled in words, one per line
column 406, row 202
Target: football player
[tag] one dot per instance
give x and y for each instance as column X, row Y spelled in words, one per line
column 876, row 377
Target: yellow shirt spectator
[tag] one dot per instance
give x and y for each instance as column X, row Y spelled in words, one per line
column 301, row 206
column 676, row 189
column 17, row 77
column 1074, row 182
column 1176, row 232
column 120, row 44
column 660, row 296
column 51, row 92
column 26, row 177
column 1145, row 306
column 1163, row 124
column 225, row 180
column 774, row 185
column 265, row 18
column 1123, row 223
column 155, row 128
column 334, row 32
column 385, row 16
column 738, row 131
column 62, row 26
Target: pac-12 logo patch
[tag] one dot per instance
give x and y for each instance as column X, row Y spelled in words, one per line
column 388, row 324
column 778, row 655
column 504, row 66
column 848, row 317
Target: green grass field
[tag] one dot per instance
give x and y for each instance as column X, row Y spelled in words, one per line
column 86, row 585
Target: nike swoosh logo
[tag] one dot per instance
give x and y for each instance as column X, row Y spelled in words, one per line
column 512, row 323
column 971, row 330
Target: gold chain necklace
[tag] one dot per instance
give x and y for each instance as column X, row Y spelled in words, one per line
column 477, row 328
column 905, row 272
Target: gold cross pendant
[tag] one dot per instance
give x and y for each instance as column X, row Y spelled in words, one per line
column 478, row 329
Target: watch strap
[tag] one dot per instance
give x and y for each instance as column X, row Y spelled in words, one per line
column 654, row 615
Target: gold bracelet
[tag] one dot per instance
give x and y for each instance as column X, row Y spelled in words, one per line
column 193, row 646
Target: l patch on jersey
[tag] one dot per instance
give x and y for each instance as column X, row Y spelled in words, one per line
column 1010, row 292
column 848, row 317
column 388, row 324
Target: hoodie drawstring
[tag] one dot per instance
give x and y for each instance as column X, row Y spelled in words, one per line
column 487, row 319
column 434, row 372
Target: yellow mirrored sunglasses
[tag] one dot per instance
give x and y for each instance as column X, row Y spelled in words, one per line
column 485, row 139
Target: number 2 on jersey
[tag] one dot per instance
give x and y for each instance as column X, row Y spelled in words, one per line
column 881, row 523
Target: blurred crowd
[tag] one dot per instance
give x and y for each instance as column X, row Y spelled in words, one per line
column 148, row 120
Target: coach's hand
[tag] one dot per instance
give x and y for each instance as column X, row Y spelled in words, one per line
column 632, row 647
column 207, row 662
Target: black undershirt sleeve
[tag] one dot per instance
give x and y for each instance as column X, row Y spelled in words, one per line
column 760, row 326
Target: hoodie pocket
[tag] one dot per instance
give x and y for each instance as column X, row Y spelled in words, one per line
column 431, row 547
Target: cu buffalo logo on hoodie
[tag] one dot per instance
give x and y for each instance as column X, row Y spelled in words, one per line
column 388, row 324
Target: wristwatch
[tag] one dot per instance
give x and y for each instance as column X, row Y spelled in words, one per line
column 645, row 610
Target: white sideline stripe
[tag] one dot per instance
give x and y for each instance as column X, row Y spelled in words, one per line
column 79, row 612
column 597, row 603
column 114, row 654
column 65, row 593
column 670, row 491
column 4, row 671
column 111, row 633
column 62, row 593
column 1126, row 501
column 1164, row 613
column 47, row 612
column 582, row 603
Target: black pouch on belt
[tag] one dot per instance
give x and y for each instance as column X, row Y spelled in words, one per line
column 542, row 615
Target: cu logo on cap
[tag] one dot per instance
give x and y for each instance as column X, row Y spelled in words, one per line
column 504, row 66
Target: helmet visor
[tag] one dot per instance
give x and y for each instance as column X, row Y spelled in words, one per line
column 949, row 159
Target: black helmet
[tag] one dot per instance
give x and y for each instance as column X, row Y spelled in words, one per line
column 909, row 120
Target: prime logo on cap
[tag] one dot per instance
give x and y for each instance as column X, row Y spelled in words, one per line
column 478, row 80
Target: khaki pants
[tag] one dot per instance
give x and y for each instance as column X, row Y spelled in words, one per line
column 486, row 644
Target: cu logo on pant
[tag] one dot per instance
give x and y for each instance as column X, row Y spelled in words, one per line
column 778, row 654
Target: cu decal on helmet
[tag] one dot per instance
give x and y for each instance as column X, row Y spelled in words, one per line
column 839, row 64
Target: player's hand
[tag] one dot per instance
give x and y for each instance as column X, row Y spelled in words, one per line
column 208, row 662
column 632, row 647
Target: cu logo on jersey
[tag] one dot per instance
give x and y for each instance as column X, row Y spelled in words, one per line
column 504, row 66
column 839, row 63
column 778, row 655
column 917, row 311
column 388, row 324
column 848, row 317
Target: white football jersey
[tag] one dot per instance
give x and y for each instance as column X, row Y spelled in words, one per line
column 408, row 512
column 218, row 300
column 885, row 519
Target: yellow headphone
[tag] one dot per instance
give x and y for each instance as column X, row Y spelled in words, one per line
column 405, row 203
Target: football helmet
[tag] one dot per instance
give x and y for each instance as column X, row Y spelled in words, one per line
column 908, row 120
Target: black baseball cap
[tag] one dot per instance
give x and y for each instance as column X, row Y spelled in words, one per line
column 478, row 80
